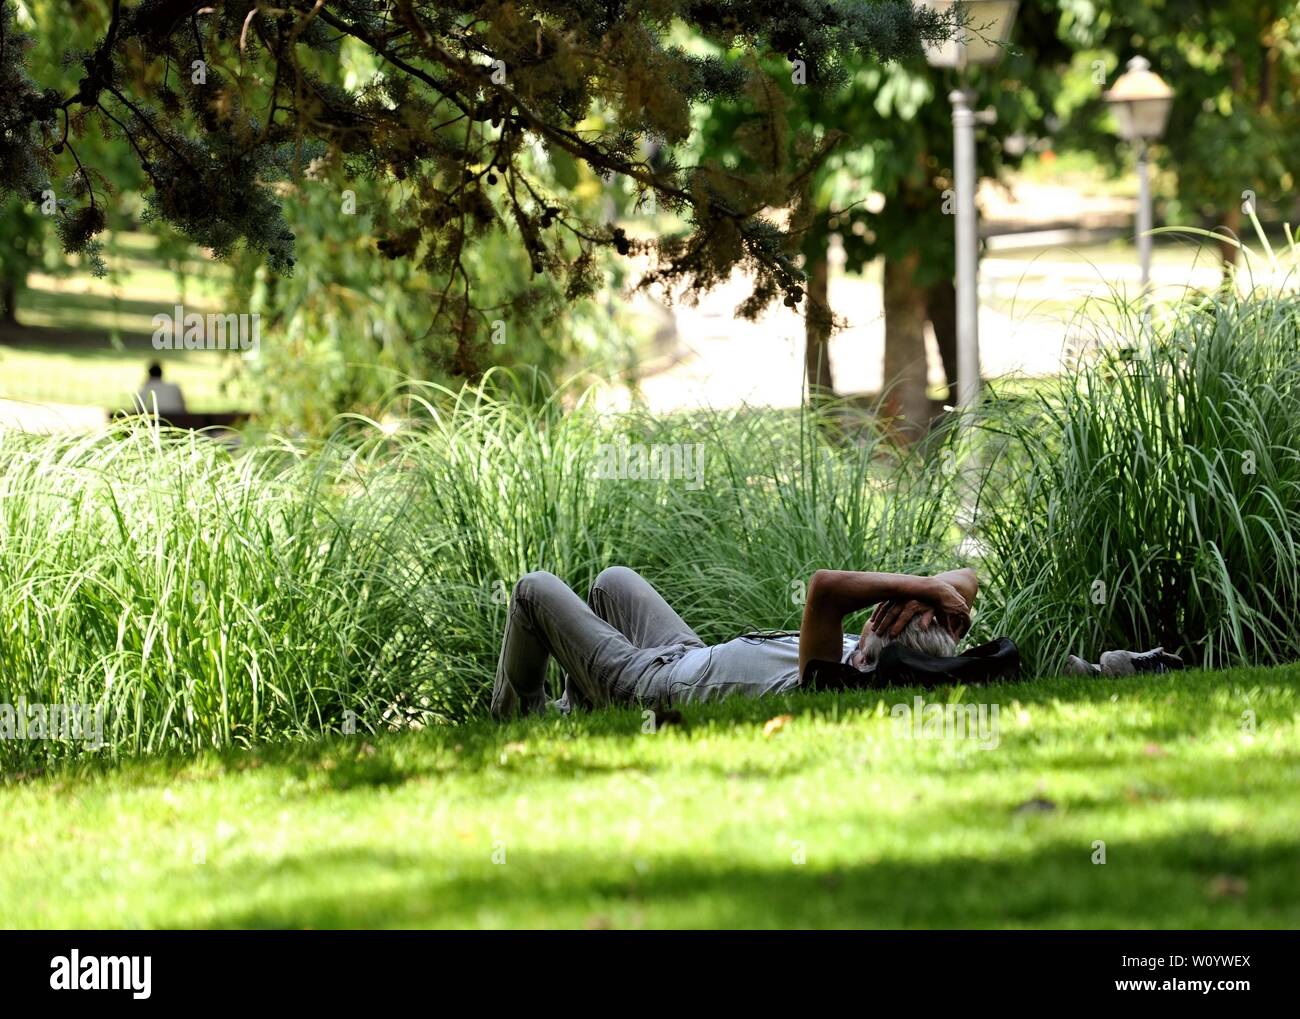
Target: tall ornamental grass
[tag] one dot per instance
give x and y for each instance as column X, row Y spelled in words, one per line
column 193, row 597
column 207, row 597
column 1151, row 494
column 203, row 597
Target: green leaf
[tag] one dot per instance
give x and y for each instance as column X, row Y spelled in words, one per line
column 565, row 166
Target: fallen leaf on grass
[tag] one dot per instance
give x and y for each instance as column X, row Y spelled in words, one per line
column 1145, row 793
column 513, row 748
column 1227, row 886
column 774, row 725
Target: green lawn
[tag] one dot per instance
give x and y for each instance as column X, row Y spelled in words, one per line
column 595, row 823
column 88, row 341
column 37, row 368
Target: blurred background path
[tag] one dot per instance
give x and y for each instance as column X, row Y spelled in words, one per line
column 82, row 345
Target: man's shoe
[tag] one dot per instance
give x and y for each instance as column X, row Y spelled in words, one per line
column 1129, row 663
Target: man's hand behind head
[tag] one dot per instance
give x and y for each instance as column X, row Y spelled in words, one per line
column 942, row 603
column 952, row 610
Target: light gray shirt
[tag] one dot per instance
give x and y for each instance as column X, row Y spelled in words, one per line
column 750, row 666
column 165, row 397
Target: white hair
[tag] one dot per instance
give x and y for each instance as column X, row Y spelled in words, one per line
column 931, row 640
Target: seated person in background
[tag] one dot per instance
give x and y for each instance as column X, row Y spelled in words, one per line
column 159, row 397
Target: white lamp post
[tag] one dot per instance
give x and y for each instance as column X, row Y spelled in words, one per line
column 1141, row 101
column 988, row 27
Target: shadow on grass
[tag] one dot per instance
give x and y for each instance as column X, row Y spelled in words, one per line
column 1173, row 706
column 1167, row 882
column 89, row 305
column 84, row 342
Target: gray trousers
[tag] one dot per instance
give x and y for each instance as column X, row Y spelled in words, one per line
column 612, row 647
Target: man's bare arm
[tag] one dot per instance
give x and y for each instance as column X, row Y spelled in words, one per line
column 965, row 581
column 891, row 617
column 834, row 594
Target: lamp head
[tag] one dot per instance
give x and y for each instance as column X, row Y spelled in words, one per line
column 983, row 38
column 1141, row 101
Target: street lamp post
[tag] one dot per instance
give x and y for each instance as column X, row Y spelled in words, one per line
column 981, row 42
column 1141, row 101
column 968, row 323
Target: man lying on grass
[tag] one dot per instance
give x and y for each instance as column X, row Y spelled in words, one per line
column 625, row 644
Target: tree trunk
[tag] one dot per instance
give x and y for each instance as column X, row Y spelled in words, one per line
column 905, row 364
column 1230, row 220
column 8, row 301
column 817, row 331
column 941, row 305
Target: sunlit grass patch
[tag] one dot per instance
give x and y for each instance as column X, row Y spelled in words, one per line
column 838, row 818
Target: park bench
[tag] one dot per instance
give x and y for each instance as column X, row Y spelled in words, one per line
column 192, row 421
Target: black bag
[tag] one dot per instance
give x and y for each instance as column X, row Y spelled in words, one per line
column 998, row 661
